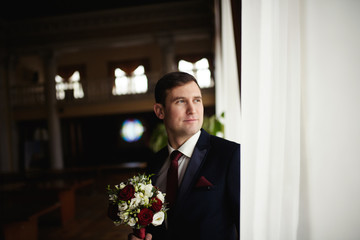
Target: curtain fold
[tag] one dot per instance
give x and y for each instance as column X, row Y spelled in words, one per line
column 270, row 119
column 226, row 74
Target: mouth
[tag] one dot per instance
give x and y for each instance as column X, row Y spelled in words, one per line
column 191, row 120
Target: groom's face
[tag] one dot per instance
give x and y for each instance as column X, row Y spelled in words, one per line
column 183, row 112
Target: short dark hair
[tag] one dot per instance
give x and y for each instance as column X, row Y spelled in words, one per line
column 169, row 81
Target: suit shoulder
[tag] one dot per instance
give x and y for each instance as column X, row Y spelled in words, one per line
column 223, row 143
column 157, row 159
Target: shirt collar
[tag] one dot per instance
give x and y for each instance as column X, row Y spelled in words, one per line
column 188, row 147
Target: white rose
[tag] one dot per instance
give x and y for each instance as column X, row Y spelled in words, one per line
column 123, row 206
column 158, row 218
column 141, row 186
column 122, row 185
column 145, row 200
column 148, row 190
column 132, row 222
column 160, row 196
column 123, row 215
column 139, row 195
column 134, row 202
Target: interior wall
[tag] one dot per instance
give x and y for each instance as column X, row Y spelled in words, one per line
column 26, row 68
column 97, row 60
column 330, row 131
column 97, row 83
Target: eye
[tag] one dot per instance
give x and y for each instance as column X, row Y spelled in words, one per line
column 180, row 101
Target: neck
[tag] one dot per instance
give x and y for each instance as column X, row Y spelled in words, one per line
column 176, row 142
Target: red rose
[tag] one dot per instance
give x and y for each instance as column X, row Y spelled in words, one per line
column 127, row 192
column 157, row 204
column 145, row 216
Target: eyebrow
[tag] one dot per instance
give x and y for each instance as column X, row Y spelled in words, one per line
column 181, row 97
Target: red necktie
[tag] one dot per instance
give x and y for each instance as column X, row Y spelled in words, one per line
column 172, row 178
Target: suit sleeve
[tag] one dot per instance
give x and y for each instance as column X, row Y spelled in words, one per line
column 233, row 185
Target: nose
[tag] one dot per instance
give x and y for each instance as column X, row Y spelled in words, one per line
column 190, row 108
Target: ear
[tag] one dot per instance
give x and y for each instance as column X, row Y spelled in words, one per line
column 159, row 110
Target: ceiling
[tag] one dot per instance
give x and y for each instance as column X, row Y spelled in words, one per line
column 22, row 9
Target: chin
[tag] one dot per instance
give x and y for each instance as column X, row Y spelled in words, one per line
column 192, row 131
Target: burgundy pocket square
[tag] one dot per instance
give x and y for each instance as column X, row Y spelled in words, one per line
column 203, row 182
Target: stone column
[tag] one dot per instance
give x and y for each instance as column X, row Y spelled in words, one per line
column 6, row 159
column 55, row 144
column 166, row 44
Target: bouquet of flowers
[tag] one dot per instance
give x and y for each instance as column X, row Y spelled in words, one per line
column 137, row 203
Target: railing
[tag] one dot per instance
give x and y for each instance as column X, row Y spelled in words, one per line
column 34, row 95
column 96, row 92
column 28, row 95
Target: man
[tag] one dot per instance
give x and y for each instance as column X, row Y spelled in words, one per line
column 207, row 204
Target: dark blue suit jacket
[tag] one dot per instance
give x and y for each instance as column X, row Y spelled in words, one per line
column 205, row 212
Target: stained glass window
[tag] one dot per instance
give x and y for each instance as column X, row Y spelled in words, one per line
column 132, row 130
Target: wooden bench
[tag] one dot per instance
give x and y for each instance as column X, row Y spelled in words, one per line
column 20, row 213
column 38, row 193
column 21, row 207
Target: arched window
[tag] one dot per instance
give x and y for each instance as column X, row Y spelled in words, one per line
column 129, row 78
column 199, row 69
column 68, row 84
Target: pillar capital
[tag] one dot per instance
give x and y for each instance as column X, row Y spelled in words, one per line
column 166, row 43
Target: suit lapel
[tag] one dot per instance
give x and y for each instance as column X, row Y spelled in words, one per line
column 192, row 171
column 196, row 161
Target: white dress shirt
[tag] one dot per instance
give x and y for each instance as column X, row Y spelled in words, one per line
column 187, row 150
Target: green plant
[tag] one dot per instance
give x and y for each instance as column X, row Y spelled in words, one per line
column 158, row 138
column 211, row 124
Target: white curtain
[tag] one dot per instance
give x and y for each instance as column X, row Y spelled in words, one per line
column 226, row 75
column 270, row 151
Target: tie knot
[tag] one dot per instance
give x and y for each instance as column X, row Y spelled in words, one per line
column 175, row 155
